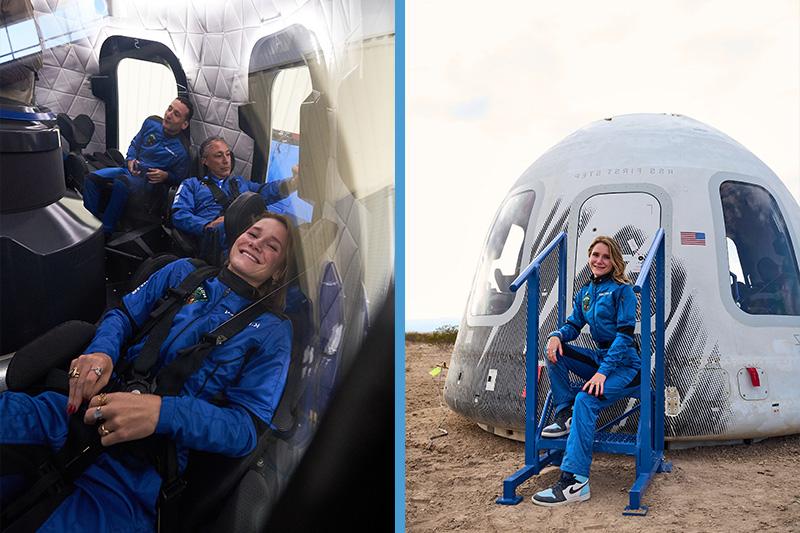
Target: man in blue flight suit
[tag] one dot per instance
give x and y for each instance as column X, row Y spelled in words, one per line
column 199, row 206
column 158, row 156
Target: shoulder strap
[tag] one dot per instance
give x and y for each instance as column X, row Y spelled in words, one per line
column 160, row 320
column 219, row 195
column 171, row 378
column 169, row 382
column 54, row 476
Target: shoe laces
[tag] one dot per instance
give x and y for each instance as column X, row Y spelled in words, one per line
column 562, row 417
column 565, row 481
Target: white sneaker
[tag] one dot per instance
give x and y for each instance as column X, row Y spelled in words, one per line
column 560, row 426
column 570, row 488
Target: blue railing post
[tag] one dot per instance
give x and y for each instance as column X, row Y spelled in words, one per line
column 530, row 275
column 660, row 324
column 644, row 457
column 650, row 438
column 532, row 369
column 562, row 282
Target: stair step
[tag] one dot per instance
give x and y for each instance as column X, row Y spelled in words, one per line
column 607, row 442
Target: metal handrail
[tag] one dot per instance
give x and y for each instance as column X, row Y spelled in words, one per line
column 537, row 261
column 648, row 262
column 651, row 416
column 531, row 275
column 649, row 450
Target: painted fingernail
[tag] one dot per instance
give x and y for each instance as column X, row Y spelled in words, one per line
column 70, row 409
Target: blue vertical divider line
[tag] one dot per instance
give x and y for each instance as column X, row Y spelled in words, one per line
column 399, row 268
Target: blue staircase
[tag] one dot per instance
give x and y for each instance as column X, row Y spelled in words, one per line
column 648, row 444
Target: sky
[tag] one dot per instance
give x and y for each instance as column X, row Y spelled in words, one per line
column 490, row 89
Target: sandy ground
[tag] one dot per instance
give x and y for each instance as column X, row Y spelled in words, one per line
column 452, row 480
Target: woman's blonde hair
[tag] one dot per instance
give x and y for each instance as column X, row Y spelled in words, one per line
column 617, row 262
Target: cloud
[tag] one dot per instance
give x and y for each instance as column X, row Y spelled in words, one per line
column 471, row 109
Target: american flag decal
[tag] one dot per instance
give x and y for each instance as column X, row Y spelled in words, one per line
column 693, row 238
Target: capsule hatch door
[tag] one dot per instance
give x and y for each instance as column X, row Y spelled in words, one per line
column 632, row 218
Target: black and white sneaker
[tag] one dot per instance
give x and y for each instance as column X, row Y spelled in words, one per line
column 570, row 488
column 560, row 426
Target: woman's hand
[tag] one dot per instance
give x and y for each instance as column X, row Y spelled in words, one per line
column 595, row 384
column 123, row 416
column 88, row 374
column 554, row 348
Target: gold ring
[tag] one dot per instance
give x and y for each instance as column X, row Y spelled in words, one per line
column 97, row 370
column 74, row 372
column 104, row 431
column 98, row 414
column 102, row 398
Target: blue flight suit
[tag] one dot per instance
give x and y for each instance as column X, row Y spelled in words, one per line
column 609, row 308
column 114, row 496
column 153, row 148
column 194, row 205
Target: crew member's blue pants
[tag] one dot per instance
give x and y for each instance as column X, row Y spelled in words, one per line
column 108, row 496
column 121, row 182
column 586, row 407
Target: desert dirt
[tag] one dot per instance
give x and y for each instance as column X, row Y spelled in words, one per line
column 452, row 480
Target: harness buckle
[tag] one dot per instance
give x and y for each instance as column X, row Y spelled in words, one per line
column 172, row 489
column 138, row 385
column 216, row 340
column 174, row 291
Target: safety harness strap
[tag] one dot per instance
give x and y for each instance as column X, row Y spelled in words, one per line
column 219, row 195
column 56, row 472
column 169, row 382
column 171, row 378
column 161, row 318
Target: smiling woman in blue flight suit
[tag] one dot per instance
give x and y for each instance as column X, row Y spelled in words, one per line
column 115, row 494
column 607, row 303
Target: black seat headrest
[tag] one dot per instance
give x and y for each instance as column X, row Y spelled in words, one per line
column 195, row 168
column 84, row 129
column 67, row 129
column 78, row 131
column 241, row 212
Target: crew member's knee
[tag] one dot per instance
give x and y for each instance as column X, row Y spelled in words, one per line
column 585, row 400
column 121, row 185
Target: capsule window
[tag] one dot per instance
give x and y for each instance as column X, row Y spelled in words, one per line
column 762, row 265
column 289, row 90
column 283, row 95
column 502, row 256
column 145, row 88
